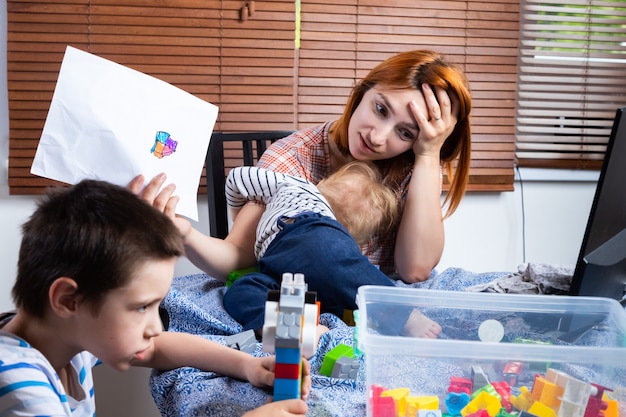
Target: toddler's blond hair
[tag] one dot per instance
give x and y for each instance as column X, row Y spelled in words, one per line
column 360, row 201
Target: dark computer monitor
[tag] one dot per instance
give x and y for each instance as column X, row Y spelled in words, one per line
column 601, row 265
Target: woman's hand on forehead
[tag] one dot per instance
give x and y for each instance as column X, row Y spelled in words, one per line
column 435, row 116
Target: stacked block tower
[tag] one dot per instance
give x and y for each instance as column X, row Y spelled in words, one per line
column 291, row 317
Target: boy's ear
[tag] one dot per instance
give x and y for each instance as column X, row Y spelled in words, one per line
column 62, row 296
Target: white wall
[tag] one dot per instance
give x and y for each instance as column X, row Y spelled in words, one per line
column 485, row 234
column 542, row 221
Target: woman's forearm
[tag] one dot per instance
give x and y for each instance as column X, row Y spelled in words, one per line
column 420, row 239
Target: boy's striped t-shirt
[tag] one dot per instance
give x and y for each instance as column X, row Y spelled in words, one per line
column 29, row 385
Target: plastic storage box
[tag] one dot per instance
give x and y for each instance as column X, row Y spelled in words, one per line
column 497, row 355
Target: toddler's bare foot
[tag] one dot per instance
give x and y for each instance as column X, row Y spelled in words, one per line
column 418, row 325
column 319, row 331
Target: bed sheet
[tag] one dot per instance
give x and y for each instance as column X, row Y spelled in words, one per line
column 194, row 304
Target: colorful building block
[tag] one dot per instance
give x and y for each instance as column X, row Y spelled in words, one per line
column 541, row 410
column 339, row 362
column 523, row 401
column 504, row 391
column 547, row 392
column 458, row 384
column 479, row 413
column 331, row 357
column 245, row 341
column 399, row 396
column 456, row 401
column 381, row 406
column 289, row 331
column 612, row 406
column 238, row 273
column 483, row 401
column 479, row 377
column 421, row 405
column 346, row 368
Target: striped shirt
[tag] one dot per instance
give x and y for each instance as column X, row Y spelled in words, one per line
column 29, row 385
column 306, row 154
column 284, row 196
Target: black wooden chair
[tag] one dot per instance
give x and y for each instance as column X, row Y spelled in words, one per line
column 253, row 144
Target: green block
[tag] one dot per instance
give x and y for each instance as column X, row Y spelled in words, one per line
column 331, row 357
column 238, row 273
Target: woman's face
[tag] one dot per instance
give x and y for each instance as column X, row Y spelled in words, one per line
column 383, row 125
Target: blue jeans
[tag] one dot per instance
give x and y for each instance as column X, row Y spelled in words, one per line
column 320, row 248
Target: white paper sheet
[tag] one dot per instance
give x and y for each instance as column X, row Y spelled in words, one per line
column 110, row 122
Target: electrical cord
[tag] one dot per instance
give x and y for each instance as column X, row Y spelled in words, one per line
column 521, row 186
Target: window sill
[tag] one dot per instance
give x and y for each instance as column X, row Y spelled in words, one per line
column 556, row 175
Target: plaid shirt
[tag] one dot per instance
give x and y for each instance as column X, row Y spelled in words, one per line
column 306, row 154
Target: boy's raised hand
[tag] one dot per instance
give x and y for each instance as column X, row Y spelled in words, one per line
column 163, row 200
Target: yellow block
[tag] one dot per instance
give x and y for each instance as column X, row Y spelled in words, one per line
column 611, row 406
column 523, row 401
column 483, row 401
column 541, row 410
column 400, row 396
column 414, row 404
column 547, row 393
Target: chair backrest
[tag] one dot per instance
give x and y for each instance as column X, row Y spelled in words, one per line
column 251, row 145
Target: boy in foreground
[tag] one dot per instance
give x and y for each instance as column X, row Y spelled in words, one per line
column 94, row 264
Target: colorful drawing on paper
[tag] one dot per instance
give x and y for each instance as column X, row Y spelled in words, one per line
column 164, row 145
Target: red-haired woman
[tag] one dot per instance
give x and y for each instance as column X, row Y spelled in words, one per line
column 410, row 116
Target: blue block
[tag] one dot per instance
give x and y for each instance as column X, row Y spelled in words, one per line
column 456, row 401
column 286, row 389
column 288, row 355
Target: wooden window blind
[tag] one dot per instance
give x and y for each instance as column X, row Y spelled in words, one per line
column 572, row 75
column 342, row 40
column 256, row 85
column 242, row 56
column 256, row 70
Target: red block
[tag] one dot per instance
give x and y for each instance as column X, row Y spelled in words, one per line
column 383, row 407
column 287, row 371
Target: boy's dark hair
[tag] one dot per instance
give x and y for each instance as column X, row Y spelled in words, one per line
column 94, row 232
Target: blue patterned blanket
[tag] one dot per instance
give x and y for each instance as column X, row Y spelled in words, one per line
column 195, row 306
